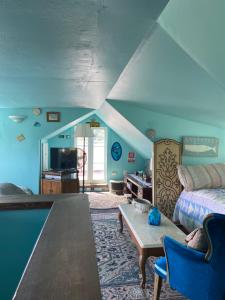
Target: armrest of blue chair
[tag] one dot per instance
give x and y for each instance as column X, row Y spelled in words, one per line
column 173, row 246
column 186, row 266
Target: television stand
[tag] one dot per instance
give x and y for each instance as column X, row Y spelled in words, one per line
column 60, row 182
column 138, row 187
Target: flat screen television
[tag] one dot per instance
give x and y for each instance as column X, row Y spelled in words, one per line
column 63, row 158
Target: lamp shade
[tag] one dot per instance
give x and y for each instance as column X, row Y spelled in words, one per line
column 84, row 130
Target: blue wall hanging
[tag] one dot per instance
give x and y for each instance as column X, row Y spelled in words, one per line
column 116, row 151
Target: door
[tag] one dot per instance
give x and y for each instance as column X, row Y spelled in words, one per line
column 96, row 151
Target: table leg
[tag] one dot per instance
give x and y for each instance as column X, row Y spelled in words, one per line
column 142, row 260
column 157, row 287
column 120, row 217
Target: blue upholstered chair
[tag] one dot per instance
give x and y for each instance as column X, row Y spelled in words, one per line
column 196, row 275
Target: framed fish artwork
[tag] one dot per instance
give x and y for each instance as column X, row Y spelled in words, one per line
column 200, row 146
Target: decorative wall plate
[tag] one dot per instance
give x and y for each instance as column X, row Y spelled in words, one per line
column 37, row 124
column 116, row 151
column 151, row 133
column 36, row 111
column 20, row 138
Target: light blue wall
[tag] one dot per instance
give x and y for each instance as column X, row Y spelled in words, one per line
column 20, row 161
column 61, row 142
column 117, row 167
column 172, row 127
column 122, row 165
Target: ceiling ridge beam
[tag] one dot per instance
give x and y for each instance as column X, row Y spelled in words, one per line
column 134, row 56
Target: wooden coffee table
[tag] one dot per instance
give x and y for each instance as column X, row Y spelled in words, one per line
column 147, row 238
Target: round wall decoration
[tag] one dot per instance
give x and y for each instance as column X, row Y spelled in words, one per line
column 116, row 151
column 151, row 133
column 36, row 111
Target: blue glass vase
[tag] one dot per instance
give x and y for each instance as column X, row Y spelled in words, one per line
column 154, row 217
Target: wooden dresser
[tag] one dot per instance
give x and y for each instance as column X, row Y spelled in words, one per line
column 60, row 182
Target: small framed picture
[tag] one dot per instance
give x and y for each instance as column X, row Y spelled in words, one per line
column 131, row 157
column 53, row 116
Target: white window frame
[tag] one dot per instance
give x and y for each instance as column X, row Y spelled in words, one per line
column 90, row 158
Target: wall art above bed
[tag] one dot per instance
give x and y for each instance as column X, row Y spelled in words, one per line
column 200, row 146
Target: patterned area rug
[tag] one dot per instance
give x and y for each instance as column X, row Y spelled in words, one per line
column 117, row 259
column 105, row 200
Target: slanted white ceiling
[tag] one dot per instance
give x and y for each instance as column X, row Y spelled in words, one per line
column 162, row 77
column 179, row 69
column 167, row 58
column 126, row 130
column 199, row 28
column 68, row 53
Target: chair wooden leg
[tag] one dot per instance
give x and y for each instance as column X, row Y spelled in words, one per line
column 157, row 287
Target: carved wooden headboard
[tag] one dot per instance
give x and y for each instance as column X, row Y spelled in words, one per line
column 166, row 184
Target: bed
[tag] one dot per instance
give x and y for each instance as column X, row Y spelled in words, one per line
column 204, row 193
column 192, row 207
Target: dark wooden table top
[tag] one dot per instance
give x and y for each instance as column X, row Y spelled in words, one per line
column 63, row 264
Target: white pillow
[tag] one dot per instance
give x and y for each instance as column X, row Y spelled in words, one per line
column 195, row 177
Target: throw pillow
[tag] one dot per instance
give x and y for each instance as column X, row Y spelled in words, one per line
column 197, row 240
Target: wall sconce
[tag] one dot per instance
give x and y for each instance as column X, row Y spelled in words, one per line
column 17, row 119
